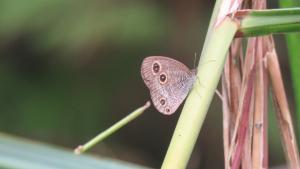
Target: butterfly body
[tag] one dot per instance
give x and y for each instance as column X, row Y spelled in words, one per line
column 168, row 80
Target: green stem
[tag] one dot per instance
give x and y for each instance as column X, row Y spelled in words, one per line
column 82, row 148
column 199, row 99
column 263, row 22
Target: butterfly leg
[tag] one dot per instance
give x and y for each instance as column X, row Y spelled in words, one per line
column 219, row 94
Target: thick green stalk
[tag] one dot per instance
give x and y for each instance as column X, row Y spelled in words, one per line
column 197, row 104
column 210, row 69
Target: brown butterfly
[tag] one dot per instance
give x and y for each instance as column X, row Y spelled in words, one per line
column 168, row 80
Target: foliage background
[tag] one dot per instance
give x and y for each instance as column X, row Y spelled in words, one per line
column 70, row 69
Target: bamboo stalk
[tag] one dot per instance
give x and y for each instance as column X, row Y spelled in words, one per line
column 260, row 146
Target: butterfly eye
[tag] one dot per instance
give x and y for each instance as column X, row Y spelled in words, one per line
column 162, row 101
column 156, row 67
column 163, row 78
column 167, row 110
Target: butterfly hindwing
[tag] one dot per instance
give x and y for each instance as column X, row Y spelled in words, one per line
column 168, row 80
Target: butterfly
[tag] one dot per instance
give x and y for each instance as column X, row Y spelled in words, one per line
column 168, row 80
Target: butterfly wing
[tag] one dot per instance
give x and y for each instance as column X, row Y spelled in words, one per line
column 168, row 80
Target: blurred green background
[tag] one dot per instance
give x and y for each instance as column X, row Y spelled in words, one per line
column 70, row 69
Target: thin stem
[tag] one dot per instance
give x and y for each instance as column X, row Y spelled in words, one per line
column 82, row 148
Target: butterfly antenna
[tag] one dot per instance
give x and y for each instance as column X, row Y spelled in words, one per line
column 195, row 58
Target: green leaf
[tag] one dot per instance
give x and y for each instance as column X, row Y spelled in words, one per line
column 25, row 154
